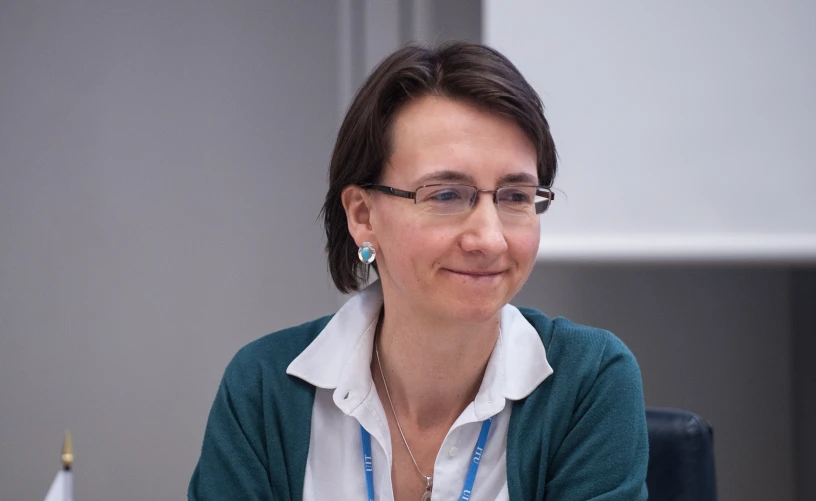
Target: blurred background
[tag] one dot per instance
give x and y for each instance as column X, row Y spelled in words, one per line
column 162, row 165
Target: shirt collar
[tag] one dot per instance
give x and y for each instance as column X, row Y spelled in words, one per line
column 340, row 356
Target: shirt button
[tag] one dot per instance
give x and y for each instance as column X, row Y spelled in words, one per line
column 453, row 452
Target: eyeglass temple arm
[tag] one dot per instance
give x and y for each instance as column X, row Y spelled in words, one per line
column 542, row 207
column 391, row 191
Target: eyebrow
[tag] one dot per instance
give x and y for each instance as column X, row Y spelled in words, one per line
column 518, row 178
column 446, row 175
column 461, row 177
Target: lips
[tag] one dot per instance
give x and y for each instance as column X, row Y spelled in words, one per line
column 476, row 273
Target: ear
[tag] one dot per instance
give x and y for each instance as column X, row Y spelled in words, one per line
column 357, row 204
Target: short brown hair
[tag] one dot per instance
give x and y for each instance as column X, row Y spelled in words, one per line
column 464, row 71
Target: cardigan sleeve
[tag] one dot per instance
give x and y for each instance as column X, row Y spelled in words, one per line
column 233, row 462
column 604, row 455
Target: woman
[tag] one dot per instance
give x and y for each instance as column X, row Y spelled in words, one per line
column 427, row 384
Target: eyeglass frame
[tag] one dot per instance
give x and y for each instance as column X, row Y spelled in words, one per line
column 388, row 190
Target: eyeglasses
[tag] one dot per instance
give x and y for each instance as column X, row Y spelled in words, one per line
column 449, row 199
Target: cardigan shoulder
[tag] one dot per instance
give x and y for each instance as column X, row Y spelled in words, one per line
column 559, row 334
column 580, row 351
column 272, row 353
column 580, row 356
column 587, row 420
column 261, row 417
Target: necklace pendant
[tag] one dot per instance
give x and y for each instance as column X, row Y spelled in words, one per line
column 428, row 487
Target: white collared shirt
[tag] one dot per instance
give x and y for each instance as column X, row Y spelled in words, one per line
column 338, row 364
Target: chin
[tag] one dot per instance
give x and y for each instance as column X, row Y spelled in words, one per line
column 471, row 310
column 474, row 299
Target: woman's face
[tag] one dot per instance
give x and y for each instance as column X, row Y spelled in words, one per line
column 456, row 267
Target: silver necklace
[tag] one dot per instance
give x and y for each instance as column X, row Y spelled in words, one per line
column 428, row 480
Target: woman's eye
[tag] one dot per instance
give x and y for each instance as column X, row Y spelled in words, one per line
column 516, row 197
column 445, row 196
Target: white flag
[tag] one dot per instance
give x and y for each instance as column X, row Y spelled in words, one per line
column 63, row 487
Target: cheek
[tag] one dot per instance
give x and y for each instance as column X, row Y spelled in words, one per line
column 525, row 247
column 413, row 248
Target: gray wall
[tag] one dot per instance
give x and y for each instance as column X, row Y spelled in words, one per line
column 161, row 167
column 161, row 171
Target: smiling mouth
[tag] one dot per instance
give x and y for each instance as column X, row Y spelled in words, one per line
column 476, row 274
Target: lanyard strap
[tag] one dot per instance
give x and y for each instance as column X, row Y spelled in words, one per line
column 368, row 464
column 477, row 458
column 467, row 490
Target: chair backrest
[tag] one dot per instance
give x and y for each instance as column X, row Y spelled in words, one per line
column 681, row 457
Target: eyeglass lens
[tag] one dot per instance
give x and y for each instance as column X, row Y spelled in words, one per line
column 458, row 198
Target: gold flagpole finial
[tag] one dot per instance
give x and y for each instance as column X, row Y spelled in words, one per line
column 67, row 451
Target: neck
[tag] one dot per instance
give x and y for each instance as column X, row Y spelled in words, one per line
column 433, row 370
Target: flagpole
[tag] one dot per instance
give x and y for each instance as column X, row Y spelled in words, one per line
column 67, row 452
column 62, row 489
column 67, row 462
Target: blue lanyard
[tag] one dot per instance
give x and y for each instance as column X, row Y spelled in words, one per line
column 467, row 490
column 368, row 463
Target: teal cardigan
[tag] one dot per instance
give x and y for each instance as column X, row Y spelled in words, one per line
column 580, row 435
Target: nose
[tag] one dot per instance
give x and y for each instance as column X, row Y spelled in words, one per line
column 483, row 230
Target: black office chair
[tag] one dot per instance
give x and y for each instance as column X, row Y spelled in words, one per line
column 681, row 457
